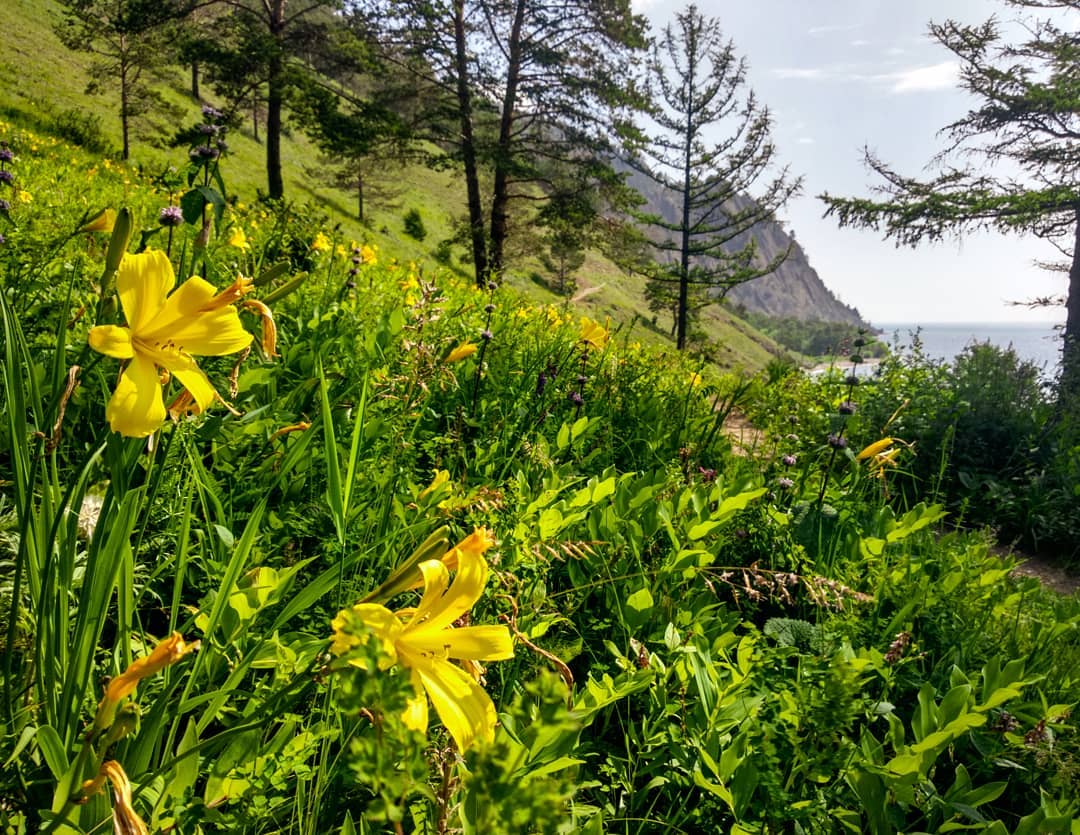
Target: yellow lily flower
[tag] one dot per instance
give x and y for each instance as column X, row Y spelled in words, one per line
column 167, row 652
column 321, row 243
column 126, row 820
column 593, row 333
column 441, row 477
column 462, row 351
column 874, row 448
column 423, row 639
column 238, row 239
column 103, row 221
column 165, row 331
column 367, row 253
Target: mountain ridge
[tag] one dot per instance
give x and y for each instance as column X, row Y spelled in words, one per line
column 793, row 290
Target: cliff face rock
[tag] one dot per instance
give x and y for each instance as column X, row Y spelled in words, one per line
column 795, row 290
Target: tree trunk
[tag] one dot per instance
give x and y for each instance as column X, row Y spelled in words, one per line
column 502, row 153
column 360, row 195
column 195, row 80
column 274, row 97
column 125, row 151
column 684, row 248
column 1069, row 382
column 468, row 147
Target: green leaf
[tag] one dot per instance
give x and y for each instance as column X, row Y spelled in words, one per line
column 638, row 606
column 52, row 749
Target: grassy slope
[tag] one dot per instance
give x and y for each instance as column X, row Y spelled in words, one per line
column 40, row 79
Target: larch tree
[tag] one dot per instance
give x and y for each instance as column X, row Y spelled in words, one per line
column 526, row 92
column 712, row 151
column 1012, row 163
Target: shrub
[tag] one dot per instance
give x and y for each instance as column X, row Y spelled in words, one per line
column 414, row 225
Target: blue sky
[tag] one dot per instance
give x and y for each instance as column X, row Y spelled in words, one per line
column 839, row 75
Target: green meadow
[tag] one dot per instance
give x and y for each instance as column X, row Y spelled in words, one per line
column 303, row 532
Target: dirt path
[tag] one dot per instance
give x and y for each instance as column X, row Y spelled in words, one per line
column 1052, row 575
column 746, row 439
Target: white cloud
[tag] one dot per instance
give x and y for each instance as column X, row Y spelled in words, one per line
column 860, row 42
column 805, row 140
column 834, row 27
column 935, row 77
column 807, row 74
column 896, row 50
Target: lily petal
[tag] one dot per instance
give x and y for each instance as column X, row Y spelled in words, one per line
column 464, row 708
column 196, row 382
column 136, row 409
column 184, row 323
column 436, row 581
column 476, row 643
column 112, row 341
column 463, row 593
column 415, row 715
column 142, row 282
column 384, row 624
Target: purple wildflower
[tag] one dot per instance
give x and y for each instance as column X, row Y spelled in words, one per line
column 837, row 441
column 576, row 398
column 6, row 176
column 170, row 216
column 789, row 460
column 785, row 483
column 6, row 155
column 847, row 408
column 486, row 335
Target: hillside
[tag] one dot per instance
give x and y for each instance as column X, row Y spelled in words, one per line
column 44, row 88
column 793, row 291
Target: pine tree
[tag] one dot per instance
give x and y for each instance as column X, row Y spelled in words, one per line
column 253, row 51
column 701, row 90
column 1019, row 149
column 521, row 91
column 126, row 38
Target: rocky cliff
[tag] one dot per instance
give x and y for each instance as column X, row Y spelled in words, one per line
column 794, row 290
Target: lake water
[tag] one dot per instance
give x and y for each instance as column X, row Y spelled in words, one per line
column 1038, row 342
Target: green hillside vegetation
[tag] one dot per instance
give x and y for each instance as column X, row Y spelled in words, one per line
column 302, row 531
column 44, row 87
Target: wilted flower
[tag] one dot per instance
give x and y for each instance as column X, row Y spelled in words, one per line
column 168, row 652
column 847, row 408
column 837, row 441
column 126, row 820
